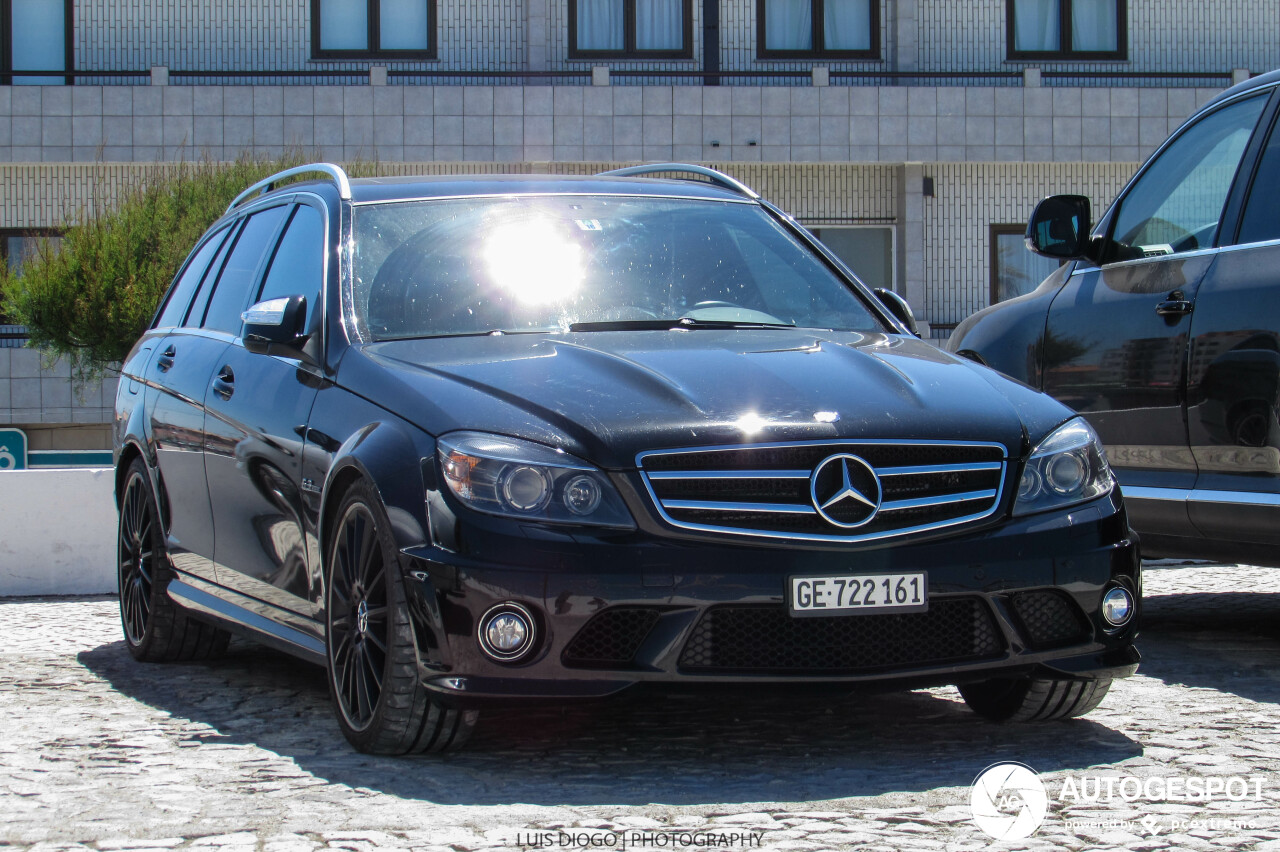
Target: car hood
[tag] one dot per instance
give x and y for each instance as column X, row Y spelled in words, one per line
column 606, row 396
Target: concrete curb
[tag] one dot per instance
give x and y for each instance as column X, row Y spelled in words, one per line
column 57, row 532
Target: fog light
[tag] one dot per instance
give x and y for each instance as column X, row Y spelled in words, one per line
column 506, row 632
column 1117, row 607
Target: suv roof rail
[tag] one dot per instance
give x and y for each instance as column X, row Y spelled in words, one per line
column 335, row 173
column 718, row 178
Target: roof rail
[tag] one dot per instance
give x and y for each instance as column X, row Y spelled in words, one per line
column 718, row 178
column 335, row 173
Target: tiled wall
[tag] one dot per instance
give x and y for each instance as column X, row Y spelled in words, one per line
column 32, row 391
column 568, row 123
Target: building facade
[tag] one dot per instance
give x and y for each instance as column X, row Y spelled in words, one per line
column 912, row 135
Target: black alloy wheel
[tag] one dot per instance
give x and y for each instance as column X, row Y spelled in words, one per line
column 380, row 701
column 155, row 628
column 358, row 616
column 137, row 557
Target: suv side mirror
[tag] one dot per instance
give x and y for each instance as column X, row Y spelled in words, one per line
column 898, row 306
column 1059, row 227
column 275, row 326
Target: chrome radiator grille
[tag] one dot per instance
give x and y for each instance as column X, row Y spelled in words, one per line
column 782, row 491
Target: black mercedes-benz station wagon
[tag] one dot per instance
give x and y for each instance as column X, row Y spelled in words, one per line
column 468, row 440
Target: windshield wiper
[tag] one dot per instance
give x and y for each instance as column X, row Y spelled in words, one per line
column 667, row 324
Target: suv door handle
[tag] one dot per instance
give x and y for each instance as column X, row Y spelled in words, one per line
column 1174, row 307
column 224, row 384
column 165, row 361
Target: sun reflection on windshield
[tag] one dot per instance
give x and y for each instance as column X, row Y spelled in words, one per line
column 534, row 262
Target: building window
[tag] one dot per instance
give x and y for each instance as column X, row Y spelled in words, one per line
column 346, row 29
column 841, row 29
column 35, row 35
column 647, row 29
column 867, row 250
column 1015, row 269
column 16, row 246
column 1066, row 29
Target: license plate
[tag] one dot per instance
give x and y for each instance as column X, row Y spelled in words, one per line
column 849, row 594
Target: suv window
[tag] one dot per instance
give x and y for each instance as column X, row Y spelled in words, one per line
column 297, row 269
column 1175, row 205
column 181, row 292
column 1261, row 220
column 231, row 295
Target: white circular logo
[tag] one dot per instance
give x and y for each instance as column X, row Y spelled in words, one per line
column 1008, row 801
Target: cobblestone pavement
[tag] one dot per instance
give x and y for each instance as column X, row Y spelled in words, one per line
column 243, row 753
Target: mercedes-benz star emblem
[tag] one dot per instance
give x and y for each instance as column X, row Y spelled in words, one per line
column 362, row 618
column 845, row 490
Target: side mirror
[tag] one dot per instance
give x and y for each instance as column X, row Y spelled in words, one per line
column 899, row 308
column 275, row 326
column 1060, row 226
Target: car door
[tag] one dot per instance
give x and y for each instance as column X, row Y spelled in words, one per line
column 1116, row 336
column 1233, row 380
column 177, row 370
column 258, row 406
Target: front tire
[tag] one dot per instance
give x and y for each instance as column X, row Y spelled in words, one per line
column 1030, row 699
column 155, row 628
column 377, row 693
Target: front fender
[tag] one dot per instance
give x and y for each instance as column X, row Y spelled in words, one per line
column 1010, row 336
column 389, row 455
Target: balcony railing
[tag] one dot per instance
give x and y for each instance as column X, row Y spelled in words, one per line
column 13, row 336
column 819, row 75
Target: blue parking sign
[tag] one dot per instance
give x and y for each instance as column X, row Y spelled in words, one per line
column 13, row 449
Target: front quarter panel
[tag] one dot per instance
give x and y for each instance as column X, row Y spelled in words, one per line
column 1010, row 336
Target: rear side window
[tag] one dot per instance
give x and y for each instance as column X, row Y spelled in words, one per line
column 185, row 287
column 231, row 295
column 1261, row 220
column 297, row 269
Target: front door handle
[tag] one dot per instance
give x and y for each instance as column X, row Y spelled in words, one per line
column 224, row 384
column 165, row 361
column 1175, row 305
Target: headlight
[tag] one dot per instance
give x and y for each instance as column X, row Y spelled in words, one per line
column 521, row 479
column 1067, row 467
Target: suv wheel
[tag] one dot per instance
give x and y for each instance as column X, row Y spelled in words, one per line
column 1030, row 699
column 155, row 628
column 370, row 642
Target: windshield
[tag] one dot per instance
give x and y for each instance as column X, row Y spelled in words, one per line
column 549, row 263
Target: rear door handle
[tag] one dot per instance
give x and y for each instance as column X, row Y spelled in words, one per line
column 224, row 384
column 165, row 361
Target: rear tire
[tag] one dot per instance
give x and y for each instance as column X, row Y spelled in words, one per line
column 1031, row 699
column 155, row 628
column 371, row 646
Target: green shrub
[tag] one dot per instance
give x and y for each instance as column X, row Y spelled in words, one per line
column 92, row 298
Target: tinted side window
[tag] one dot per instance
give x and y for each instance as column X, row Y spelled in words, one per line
column 195, row 314
column 231, row 296
column 181, row 292
column 1175, row 205
column 298, row 266
column 1261, row 220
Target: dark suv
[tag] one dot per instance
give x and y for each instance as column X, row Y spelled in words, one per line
column 1163, row 329
column 474, row 439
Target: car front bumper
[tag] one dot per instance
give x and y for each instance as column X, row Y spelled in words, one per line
column 617, row 610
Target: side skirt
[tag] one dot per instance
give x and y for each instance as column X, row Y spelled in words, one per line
column 247, row 617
